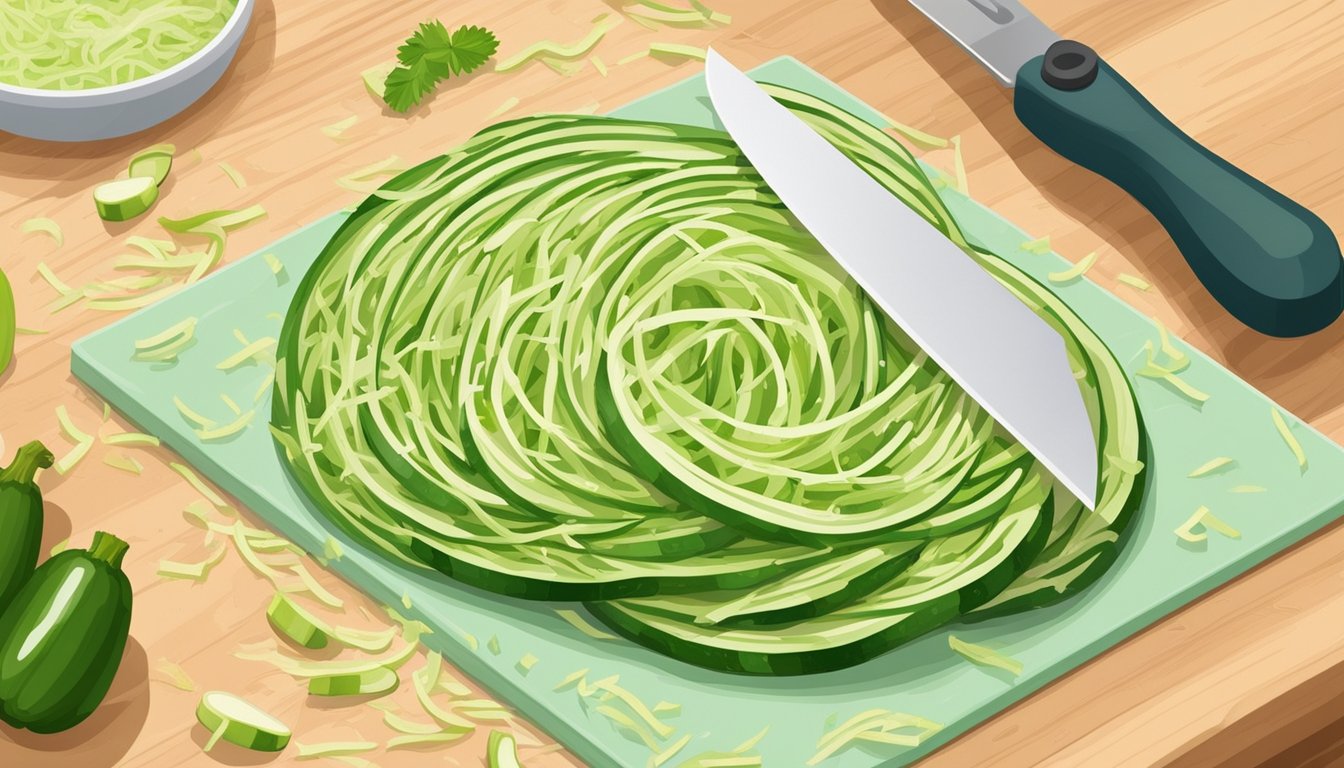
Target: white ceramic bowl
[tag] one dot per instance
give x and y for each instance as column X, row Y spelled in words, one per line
column 104, row 113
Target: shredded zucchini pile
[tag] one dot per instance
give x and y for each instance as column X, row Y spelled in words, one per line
column 73, row 45
column 584, row 358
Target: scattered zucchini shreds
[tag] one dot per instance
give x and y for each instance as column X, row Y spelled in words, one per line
column 164, row 346
column 406, row 600
column 196, row 482
column 661, row 758
column 372, row 681
column 274, row 263
column 264, row 387
column 131, row 438
column 408, row 727
column 636, row 56
column 677, row 50
column 916, row 136
column 1153, row 370
column 68, row 428
column 293, row 622
column 698, row 15
column 1179, row 360
column 876, row 725
column 358, row 181
column 174, row 675
column 1248, row 489
column 224, row 219
column 626, row 725
column 493, row 645
column 197, row 572
column 411, row 629
column 667, row 709
column 1211, row 466
column 197, row 420
column 233, row 174
column 55, row 282
column 1134, row 281
column 135, row 301
column 1204, row 520
column 30, row 331
column 375, row 79
column 321, row 593
column 986, row 657
column 59, row 547
column 337, row 130
column 83, row 442
column 368, row 641
column 583, row 625
column 1287, row 434
column 230, row 404
column 249, row 353
column 224, row 431
column 552, row 50
column 508, row 104
column 1040, row 246
column 526, row 663
column 637, row 707
column 46, row 226
column 1075, row 272
column 419, row 739
column 598, row 64
column 333, row 748
column 572, row 679
column 331, row 549
column 307, row 668
column 959, row 166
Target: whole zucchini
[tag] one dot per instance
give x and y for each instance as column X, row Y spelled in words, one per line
column 62, row 638
column 20, row 519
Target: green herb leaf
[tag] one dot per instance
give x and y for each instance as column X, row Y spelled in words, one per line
column 431, row 55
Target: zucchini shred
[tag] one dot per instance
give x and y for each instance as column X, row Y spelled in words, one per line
column 592, row 359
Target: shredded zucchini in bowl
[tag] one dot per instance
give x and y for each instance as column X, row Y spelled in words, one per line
column 70, row 45
column 584, row 358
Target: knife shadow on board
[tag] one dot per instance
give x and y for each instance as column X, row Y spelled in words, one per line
column 1298, row 373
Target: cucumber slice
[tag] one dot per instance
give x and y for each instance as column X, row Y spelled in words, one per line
column 153, row 163
column 380, row 680
column 296, row 624
column 125, row 199
column 238, row 721
column 501, row 751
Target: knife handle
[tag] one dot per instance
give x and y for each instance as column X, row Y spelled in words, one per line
column 1270, row 262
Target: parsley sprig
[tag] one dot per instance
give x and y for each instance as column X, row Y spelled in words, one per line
column 432, row 55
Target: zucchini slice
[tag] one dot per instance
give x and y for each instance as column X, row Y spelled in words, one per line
column 239, row 722
column 501, row 751
column 125, row 199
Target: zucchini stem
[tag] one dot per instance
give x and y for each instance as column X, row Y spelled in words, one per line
column 26, row 463
column 108, row 548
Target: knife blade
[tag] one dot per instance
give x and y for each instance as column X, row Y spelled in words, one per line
column 1269, row 261
column 989, row 342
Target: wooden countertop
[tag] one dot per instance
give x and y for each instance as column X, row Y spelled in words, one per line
column 1252, row 671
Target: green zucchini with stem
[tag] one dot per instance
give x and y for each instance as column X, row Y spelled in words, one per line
column 20, row 519
column 62, row 638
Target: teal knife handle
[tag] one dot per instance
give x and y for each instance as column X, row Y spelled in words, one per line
column 1270, row 262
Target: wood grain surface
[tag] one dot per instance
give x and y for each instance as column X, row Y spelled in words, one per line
column 1251, row 673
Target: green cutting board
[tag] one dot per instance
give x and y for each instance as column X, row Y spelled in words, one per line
column 1155, row 574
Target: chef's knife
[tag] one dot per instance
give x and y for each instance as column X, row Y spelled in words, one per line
column 1270, row 262
column 988, row 341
